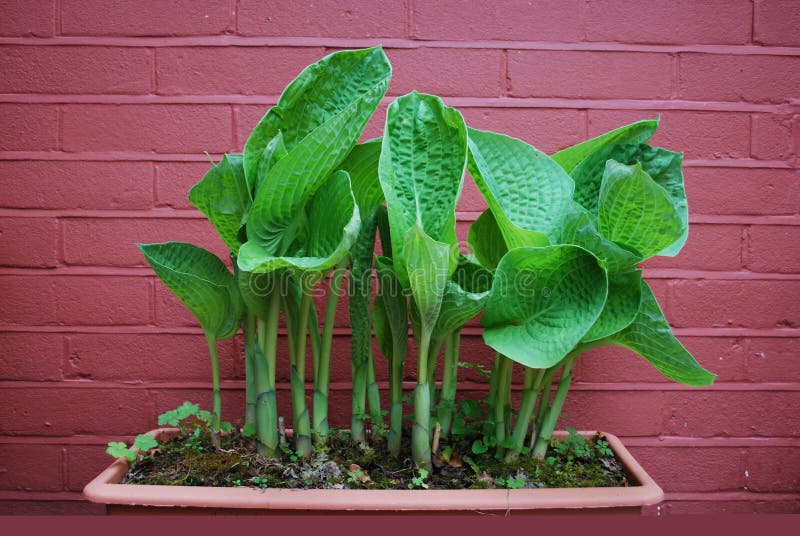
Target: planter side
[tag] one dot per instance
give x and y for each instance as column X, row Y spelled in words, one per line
column 107, row 489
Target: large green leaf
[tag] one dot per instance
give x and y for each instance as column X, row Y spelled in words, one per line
column 486, row 240
column 458, row 308
column 421, row 170
column 665, row 168
column 362, row 165
column 635, row 212
column 622, row 305
column 333, row 225
column 543, row 301
column 322, row 91
column 578, row 229
column 526, row 190
column 427, row 266
column 201, row 281
column 650, row 336
column 638, row 132
column 223, row 196
column 272, row 153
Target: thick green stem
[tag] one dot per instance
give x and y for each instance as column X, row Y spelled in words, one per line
column 266, row 358
column 447, row 398
column 399, row 347
column 421, row 432
column 378, row 425
column 322, row 365
column 250, row 343
column 216, row 414
column 301, row 421
column 435, row 349
column 502, row 400
column 544, row 403
column 531, row 389
column 549, row 423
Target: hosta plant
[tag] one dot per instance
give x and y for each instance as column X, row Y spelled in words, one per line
column 551, row 268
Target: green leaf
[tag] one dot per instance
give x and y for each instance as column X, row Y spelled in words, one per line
column 175, row 416
column 427, row 266
column 458, row 308
column 223, row 196
column 622, row 305
column 333, row 225
column 145, row 442
column 526, row 190
column 650, row 336
column 581, row 231
column 486, row 240
column 322, row 91
column 421, row 170
column 274, row 151
column 543, row 301
column 635, row 212
column 117, row 449
column 665, row 167
column 391, row 308
column 201, row 281
column 471, row 276
column 362, row 165
column 638, row 132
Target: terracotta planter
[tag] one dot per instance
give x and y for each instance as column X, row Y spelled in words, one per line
column 107, row 489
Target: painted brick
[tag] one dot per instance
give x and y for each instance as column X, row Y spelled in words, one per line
column 709, row 247
column 76, row 185
column 147, row 17
column 771, row 137
column 169, row 310
column 30, row 467
column 517, row 20
column 697, row 134
column 731, row 413
column 160, row 128
column 28, row 127
column 690, row 22
column 145, row 357
column 736, row 78
column 103, row 70
column 772, row 359
column 757, row 504
column 230, row 70
column 742, row 191
column 112, row 242
column 31, row 356
column 773, row 469
column 447, row 72
column 687, row 469
column 60, row 410
column 50, row 508
column 344, row 18
column 175, row 179
column 776, row 23
column 723, row 356
column 548, row 130
column 745, row 303
column 75, row 300
column 773, row 248
column 589, row 74
column 83, row 463
column 28, row 242
column 31, row 18
column 624, row 413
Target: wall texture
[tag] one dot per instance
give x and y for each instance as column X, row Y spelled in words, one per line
column 106, row 108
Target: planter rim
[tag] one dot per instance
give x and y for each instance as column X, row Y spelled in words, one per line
column 107, row 488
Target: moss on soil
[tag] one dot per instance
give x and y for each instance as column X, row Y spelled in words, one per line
column 345, row 464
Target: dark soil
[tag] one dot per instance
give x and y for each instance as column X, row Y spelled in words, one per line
column 345, row 464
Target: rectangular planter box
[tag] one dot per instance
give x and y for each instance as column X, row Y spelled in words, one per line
column 107, row 489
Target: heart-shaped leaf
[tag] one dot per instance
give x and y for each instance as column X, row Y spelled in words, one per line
column 486, row 240
column 622, row 305
column 362, row 166
column 579, row 229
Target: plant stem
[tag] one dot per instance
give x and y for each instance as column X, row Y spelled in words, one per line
column 249, row 368
column 374, row 400
column 544, row 403
column 421, row 432
column 217, row 411
column 266, row 400
column 399, row 348
column 302, row 425
column 447, row 398
column 322, row 365
column 503, row 393
column 549, row 423
column 532, row 386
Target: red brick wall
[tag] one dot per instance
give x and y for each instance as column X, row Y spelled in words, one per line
column 106, row 108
